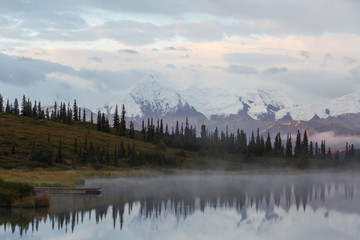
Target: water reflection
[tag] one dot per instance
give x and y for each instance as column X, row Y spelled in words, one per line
column 249, row 198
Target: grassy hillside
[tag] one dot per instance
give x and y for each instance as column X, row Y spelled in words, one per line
column 19, row 136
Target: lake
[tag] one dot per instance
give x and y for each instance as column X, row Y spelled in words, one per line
column 206, row 206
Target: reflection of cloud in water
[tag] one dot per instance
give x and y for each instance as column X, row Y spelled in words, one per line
column 202, row 207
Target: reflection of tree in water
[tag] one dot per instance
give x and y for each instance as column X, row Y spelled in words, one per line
column 179, row 196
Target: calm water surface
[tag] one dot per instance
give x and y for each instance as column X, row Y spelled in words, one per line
column 276, row 206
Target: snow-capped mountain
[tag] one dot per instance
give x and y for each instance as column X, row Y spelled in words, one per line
column 349, row 103
column 266, row 109
column 149, row 98
column 220, row 102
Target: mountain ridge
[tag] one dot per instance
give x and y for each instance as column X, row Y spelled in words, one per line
column 265, row 109
column 150, row 99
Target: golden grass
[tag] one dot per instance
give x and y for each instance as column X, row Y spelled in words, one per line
column 42, row 177
column 22, row 132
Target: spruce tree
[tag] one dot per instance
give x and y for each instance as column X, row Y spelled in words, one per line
column 1, row 103
column 161, row 129
column 34, row 110
column 29, row 112
column 143, row 131
column 54, row 115
column 122, row 131
column 323, row 149
column 328, row 155
column 84, row 115
column 347, row 152
column 311, row 150
column 8, row 108
column 75, row 109
column 297, row 150
column 16, row 107
column 304, row 159
column 316, row 150
column 40, row 111
column 252, row 144
column 132, row 131
column 98, row 123
column 203, row 137
column 116, row 121
column 107, row 125
column 47, row 114
column 352, row 152
column 69, row 114
column 23, row 106
column 166, row 130
column 288, row 148
column 305, row 145
column 262, row 146
column 216, row 136
column 281, row 147
column 268, row 147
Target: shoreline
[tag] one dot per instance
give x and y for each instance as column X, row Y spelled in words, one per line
column 41, row 177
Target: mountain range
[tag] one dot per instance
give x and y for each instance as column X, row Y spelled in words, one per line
column 266, row 109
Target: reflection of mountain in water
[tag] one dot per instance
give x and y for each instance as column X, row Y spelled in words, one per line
column 181, row 196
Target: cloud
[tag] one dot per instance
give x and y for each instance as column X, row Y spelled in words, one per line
column 333, row 140
column 257, row 59
column 327, row 57
column 128, row 51
column 116, row 80
column 274, row 70
column 355, row 72
column 239, row 69
column 95, row 59
column 350, row 60
column 206, row 21
column 305, row 54
column 311, row 85
column 171, row 48
column 23, row 72
column 170, row 66
column 52, row 20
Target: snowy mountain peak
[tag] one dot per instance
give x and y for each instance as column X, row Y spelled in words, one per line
column 149, row 98
column 156, row 99
column 349, row 103
column 264, row 102
column 221, row 102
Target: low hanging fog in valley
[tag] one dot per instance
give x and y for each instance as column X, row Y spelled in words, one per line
column 252, row 205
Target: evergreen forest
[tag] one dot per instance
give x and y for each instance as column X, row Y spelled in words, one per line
column 118, row 144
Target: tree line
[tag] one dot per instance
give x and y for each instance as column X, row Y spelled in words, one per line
column 181, row 136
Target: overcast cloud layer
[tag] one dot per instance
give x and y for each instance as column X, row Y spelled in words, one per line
column 55, row 49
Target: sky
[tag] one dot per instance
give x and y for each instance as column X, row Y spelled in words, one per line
column 93, row 50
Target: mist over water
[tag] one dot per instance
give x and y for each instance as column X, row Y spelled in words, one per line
column 216, row 206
